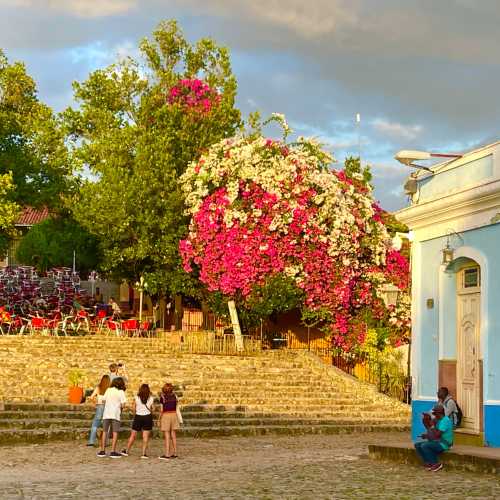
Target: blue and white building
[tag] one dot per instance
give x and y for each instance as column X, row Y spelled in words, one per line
column 454, row 222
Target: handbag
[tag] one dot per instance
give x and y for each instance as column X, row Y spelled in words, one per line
column 179, row 414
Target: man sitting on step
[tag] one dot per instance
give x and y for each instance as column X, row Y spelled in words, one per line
column 450, row 406
column 438, row 439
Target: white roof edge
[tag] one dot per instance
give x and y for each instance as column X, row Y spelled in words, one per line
column 439, row 166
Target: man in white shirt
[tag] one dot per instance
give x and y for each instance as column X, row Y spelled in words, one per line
column 114, row 402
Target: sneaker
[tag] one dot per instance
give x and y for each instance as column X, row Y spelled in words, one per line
column 436, row 467
column 164, row 457
column 115, row 454
column 124, row 453
column 91, row 444
column 101, row 454
column 144, row 456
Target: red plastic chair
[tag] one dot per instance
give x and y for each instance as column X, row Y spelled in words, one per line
column 37, row 324
column 113, row 327
column 131, row 327
column 145, row 329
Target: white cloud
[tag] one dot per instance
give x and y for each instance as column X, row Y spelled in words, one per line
column 397, row 130
column 78, row 8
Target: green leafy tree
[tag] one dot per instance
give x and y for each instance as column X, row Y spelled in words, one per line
column 8, row 212
column 32, row 145
column 137, row 137
column 52, row 242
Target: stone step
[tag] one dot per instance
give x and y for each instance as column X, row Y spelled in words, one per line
column 190, row 422
column 88, row 413
column 318, row 410
column 25, row 436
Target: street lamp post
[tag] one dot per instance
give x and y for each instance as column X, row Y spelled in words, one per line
column 93, row 277
column 141, row 285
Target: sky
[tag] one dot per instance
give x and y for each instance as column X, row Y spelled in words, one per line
column 423, row 74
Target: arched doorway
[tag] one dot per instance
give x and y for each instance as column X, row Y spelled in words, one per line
column 468, row 344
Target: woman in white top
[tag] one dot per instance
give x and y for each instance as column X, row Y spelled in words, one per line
column 97, row 396
column 143, row 420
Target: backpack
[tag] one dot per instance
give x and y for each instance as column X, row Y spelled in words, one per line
column 459, row 415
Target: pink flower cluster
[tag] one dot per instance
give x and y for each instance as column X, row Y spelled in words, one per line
column 193, row 94
column 235, row 253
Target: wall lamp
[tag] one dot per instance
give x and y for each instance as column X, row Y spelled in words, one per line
column 448, row 251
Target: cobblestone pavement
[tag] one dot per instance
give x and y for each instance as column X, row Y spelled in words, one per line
column 282, row 467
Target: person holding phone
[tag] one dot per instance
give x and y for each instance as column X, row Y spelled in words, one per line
column 118, row 370
column 438, row 439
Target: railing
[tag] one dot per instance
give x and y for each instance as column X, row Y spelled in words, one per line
column 212, row 343
column 387, row 374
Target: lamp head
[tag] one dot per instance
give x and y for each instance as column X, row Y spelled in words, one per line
column 407, row 157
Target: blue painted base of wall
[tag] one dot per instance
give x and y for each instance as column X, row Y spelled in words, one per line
column 492, row 425
column 417, row 408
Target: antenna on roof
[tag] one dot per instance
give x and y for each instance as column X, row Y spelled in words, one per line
column 358, row 127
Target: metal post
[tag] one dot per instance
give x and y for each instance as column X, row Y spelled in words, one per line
column 140, row 304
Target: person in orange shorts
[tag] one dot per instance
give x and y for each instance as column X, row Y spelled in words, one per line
column 169, row 421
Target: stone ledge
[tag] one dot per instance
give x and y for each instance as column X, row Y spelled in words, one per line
column 468, row 458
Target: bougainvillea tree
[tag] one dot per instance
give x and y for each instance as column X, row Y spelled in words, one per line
column 269, row 215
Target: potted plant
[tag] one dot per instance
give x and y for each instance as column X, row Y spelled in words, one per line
column 75, row 378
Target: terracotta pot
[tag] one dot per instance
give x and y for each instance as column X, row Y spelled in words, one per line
column 75, row 395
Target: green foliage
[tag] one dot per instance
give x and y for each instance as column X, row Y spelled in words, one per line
column 384, row 363
column 279, row 294
column 136, row 146
column 393, row 225
column 52, row 242
column 76, row 377
column 8, row 211
column 352, row 165
column 31, row 143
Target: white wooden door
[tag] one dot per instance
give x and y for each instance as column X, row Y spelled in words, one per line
column 468, row 376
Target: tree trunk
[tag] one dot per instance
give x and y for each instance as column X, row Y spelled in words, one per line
column 205, row 311
column 178, row 312
column 238, row 338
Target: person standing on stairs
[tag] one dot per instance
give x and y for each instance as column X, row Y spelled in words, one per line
column 143, row 420
column 98, row 397
column 118, row 370
column 114, row 402
column 169, row 421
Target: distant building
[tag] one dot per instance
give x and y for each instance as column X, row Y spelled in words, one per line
column 454, row 220
column 28, row 217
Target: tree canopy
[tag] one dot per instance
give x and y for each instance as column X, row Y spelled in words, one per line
column 8, row 211
column 52, row 242
column 31, row 143
column 138, row 125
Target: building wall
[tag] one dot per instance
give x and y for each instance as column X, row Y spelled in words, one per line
column 434, row 328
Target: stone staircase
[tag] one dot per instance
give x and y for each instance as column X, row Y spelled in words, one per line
column 272, row 392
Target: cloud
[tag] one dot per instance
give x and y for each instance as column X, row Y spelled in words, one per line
column 423, row 74
column 77, row 8
column 397, row 130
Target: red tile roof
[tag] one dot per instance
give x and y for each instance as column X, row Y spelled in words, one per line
column 30, row 216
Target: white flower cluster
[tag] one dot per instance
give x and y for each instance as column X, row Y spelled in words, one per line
column 345, row 215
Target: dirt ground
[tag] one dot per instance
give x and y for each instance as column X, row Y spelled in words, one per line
column 269, row 467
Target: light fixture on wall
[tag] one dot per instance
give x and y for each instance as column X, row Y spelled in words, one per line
column 448, row 251
column 390, row 294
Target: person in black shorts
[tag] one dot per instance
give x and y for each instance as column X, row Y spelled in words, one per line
column 143, row 420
